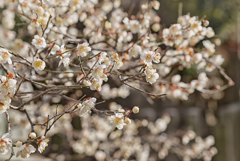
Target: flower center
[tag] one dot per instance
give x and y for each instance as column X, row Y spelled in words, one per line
column 82, row 48
column 3, row 144
column 39, row 41
column 38, row 63
column 5, row 55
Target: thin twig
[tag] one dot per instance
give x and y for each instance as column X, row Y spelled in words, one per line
column 8, row 122
column 29, row 119
column 19, row 85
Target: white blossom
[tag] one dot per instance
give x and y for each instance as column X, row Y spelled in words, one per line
column 38, row 64
column 25, row 150
column 83, row 49
column 5, row 56
column 5, row 143
column 134, row 26
column 39, row 42
column 87, row 105
column 42, row 144
column 117, row 120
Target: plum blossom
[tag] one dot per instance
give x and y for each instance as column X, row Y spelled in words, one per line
column 7, row 85
column 65, row 60
column 135, row 109
column 83, row 49
column 25, row 150
column 98, row 73
column 39, row 64
column 42, row 144
column 39, row 42
column 86, row 106
column 4, row 105
column 96, row 84
column 54, row 50
column 5, row 143
column 151, row 75
column 5, row 56
column 134, row 26
column 117, row 120
column 135, row 50
column 156, row 5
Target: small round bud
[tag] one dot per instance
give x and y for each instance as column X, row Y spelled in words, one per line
column 217, row 42
column 121, row 110
column 167, row 118
column 157, row 19
column 127, row 121
column 127, row 112
column 19, row 144
column 156, row 27
column 32, row 135
column 185, row 139
column 86, row 82
column 108, row 25
column 176, row 78
column 213, row 150
column 205, row 22
column 79, row 105
column 135, row 109
column 156, row 5
column 10, row 76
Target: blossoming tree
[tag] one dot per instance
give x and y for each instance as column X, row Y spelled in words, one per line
column 57, row 51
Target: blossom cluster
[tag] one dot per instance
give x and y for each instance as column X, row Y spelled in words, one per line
column 130, row 143
column 7, row 88
column 24, row 149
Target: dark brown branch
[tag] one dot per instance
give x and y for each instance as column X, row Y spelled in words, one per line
column 29, row 119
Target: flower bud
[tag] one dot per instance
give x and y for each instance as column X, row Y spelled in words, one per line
column 205, row 22
column 135, row 109
column 127, row 112
column 156, row 27
column 19, row 144
column 156, row 5
column 10, row 76
column 121, row 110
column 127, row 121
column 32, row 135
column 79, row 106
column 86, row 82
column 176, row 78
column 108, row 25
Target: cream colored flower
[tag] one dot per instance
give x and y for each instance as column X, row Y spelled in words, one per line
column 25, row 150
column 42, row 144
column 4, row 106
column 156, row 5
column 39, row 42
column 38, row 64
column 87, row 105
column 117, row 120
column 135, row 51
column 5, row 143
column 5, row 56
column 39, row 10
column 152, row 78
column 135, row 109
column 134, row 26
column 83, row 49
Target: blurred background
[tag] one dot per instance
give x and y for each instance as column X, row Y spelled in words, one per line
column 217, row 115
